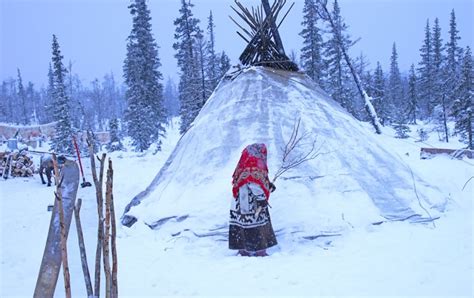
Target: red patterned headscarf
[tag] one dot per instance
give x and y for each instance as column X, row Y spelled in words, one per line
column 252, row 167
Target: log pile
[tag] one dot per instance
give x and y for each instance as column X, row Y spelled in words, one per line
column 426, row 153
column 264, row 45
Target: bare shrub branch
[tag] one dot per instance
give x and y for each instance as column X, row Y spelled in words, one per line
column 289, row 160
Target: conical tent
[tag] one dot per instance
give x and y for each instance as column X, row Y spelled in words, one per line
column 354, row 181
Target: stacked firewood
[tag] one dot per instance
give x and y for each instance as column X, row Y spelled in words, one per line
column 17, row 164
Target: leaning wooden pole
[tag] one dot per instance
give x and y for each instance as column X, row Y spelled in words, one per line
column 113, row 237
column 106, row 246
column 273, row 27
column 82, row 248
column 52, row 256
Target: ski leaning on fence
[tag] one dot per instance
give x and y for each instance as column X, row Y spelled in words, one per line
column 51, row 263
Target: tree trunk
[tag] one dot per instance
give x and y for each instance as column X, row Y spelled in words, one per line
column 445, row 121
column 368, row 105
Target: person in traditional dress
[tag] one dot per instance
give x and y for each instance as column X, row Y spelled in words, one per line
column 250, row 227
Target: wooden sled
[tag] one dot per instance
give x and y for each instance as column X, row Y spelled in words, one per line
column 51, row 263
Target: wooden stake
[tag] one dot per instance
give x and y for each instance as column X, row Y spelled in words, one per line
column 113, row 239
column 108, row 199
column 85, row 267
column 100, row 203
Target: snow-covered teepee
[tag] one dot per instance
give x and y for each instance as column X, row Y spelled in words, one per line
column 354, row 181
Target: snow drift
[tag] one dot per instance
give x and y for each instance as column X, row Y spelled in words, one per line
column 355, row 181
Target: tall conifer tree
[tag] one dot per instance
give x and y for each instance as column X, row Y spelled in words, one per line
column 311, row 58
column 62, row 140
column 463, row 108
column 338, row 73
column 212, row 68
column 202, row 62
column 379, row 94
column 145, row 115
column 190, row 93
column 22, row 100
column 453, row 60
column 426, row 73
column 439, row 83
column 412, row 96
column 395, row 89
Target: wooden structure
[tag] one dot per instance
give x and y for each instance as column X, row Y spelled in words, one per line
column 264, row 45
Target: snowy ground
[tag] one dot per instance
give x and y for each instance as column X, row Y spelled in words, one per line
column 391, row 259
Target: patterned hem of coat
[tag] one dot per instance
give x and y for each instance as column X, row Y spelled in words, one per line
column 252, row 239
column 250, row 233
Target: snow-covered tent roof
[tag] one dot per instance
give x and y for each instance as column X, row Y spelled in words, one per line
column 355, row 181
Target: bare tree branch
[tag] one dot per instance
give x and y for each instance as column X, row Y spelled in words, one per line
column 289, row 161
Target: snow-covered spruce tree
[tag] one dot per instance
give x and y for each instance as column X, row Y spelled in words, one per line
column 438, row 58
column 379, row 95
column 337, row 70
column 342, row 41
column 453, row 61
column 311, row 58
column 22, row 100
column 212, row 67
column 33, row 97
column 145, row 114
column 412, row 96
column 425, row 74
column 439, row 83
column 400, row 124
column 200, row 53
column 115, row 142
column 394, row 88
column 190, row 93
column 62, row 140
column 463, row 107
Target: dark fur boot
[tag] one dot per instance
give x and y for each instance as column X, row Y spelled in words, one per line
column 243, row 253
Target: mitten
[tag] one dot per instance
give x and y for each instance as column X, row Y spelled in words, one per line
column 272, row 187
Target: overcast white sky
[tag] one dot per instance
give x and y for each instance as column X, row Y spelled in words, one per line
column 92, row 33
